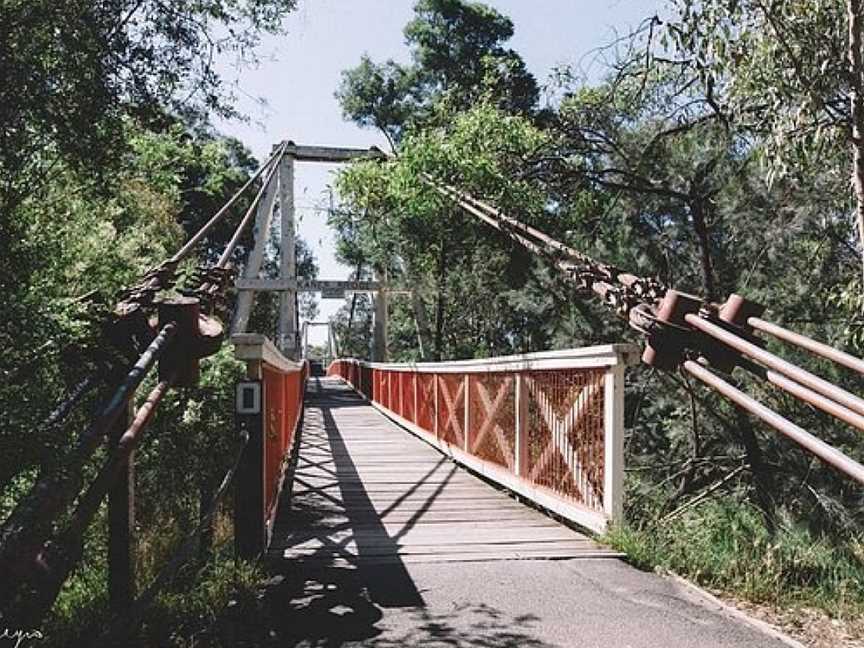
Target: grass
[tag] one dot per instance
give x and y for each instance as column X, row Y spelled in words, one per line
column 193, row 605
column 724, row 545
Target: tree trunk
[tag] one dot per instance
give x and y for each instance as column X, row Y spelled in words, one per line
column 438, row 342
column 206, row 491
column 856, row 100
column 421, row 318
column 697, row 213
column 763, row 477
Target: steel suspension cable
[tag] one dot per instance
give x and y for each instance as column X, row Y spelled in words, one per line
column 28, row 526
column 638, row 299
column 52, row 566
column 812, row 444
column 190, row 244
column 247, row 218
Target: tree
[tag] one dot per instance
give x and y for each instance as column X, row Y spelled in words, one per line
column 465, row 277
column 73, row 70
column 788, row 72
column 458, row 56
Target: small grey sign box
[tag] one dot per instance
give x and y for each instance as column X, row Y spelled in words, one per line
column 248, row 397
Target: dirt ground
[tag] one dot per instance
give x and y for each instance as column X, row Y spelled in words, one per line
column 812, row 627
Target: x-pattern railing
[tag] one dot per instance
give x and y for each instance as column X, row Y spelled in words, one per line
column 548, row 426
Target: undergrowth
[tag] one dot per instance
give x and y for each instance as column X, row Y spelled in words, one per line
column 195, row 603
column 723, row 544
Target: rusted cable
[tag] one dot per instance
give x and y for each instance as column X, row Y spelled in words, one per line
column 247, row 218
column 811, row 345
column 28, row 527
column 621, row 291
column 772, row 361
column 805, row 394
column 50, row 569
column 815, row 446
column 129, row 621
column 190, row 244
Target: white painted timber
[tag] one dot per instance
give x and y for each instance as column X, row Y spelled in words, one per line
column 613, row 444
column 245, row 298
column 287, row 262
column 254, row 347
column 607, row 355
column 307, row 285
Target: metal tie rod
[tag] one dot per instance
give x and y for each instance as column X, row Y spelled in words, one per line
column 776, row 363
column 814, row 347
column 802, row 437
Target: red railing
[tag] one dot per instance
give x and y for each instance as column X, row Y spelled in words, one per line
column 270, row 409
column 547, row 425
column 283, row 405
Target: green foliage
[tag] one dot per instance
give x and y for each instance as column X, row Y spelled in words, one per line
column 724, row 545
column 458, row 58
column 459, row 273
column 73, row 70
column 778, row 69
column 108, row 164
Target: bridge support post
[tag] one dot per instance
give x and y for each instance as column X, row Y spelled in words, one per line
column 613, row 446
column 287, row 261
column 246, row 298
column 466, row 425
column 121, row 526
column 379, row 324
column 250, row 533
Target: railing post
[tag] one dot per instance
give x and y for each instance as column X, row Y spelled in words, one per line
column 613, row 446
column 249, row 523
column 521, row 407
column 121, row 526
column 416, row 398
column 466, row 393
column 435, row 404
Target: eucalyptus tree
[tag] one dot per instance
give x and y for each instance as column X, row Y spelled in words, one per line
column 458, row 54
column 788, row 73
column 459, row 58
column 72, row 70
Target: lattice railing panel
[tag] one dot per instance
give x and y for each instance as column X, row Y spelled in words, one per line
column 426, row 401
column 492, row 418
column 548, row 426
column 407, row 380
column 565, row 427
column 450, row 407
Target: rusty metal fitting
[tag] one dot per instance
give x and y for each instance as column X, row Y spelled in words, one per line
column 198, row 336
column 732, row 316
column 665, row 346
column 737, row 310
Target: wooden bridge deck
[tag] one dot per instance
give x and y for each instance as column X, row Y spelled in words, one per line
column 365, row 490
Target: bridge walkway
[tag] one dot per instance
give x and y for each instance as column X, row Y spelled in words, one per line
column 380, row 540
column 366, row 490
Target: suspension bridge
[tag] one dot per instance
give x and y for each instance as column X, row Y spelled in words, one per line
column 448, row 503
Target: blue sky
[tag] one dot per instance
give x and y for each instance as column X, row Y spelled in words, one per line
column 289, row 95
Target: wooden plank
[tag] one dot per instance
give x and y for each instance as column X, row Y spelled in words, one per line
column 457, row 557
column 367, row 492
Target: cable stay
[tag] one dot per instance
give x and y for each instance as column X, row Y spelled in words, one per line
column 685, row 331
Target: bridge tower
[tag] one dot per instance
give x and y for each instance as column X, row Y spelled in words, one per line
column 287, row 284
